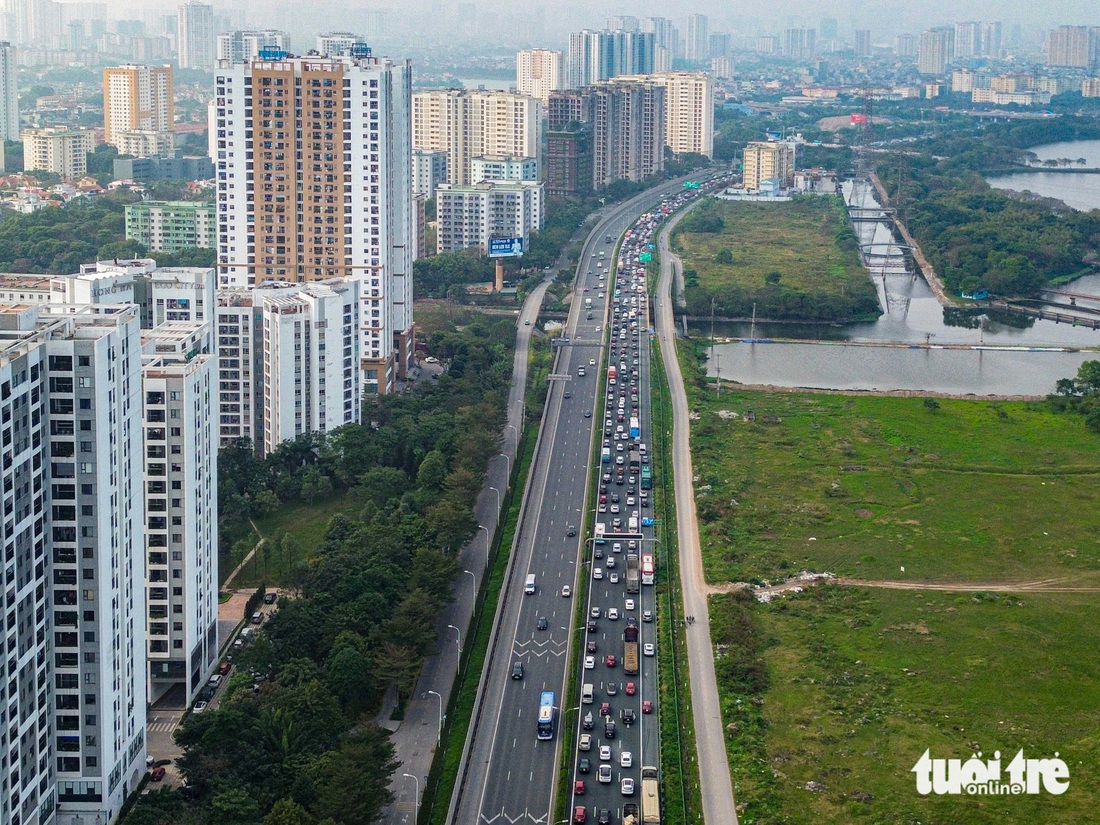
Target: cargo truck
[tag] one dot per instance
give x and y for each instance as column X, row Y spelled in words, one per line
column 632, row 576
column 630, row 814
column 630, row 658
column 651, row 800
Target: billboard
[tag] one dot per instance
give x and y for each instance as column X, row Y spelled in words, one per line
column 505, row 247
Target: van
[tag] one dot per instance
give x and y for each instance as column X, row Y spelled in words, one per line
column 529, row 587
column 587, row 692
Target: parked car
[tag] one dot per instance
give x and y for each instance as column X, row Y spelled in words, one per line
column 269, row 598
column 199, row 707
column 157, row 774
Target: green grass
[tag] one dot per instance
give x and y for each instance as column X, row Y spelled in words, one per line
column 798, row 240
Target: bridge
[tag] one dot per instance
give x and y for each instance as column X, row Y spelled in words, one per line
column 1045, row 314
column 1073, row 296
column 867, row 214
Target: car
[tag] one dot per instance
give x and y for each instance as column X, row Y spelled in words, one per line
column 594, row 613
column 566, row 590
column 585, row 742
column 580, row 814
column 590, row 645
column 648, row 649
column 605, row 753
column 589, row 662
column 626, row 759
column 517, row 670
column 224, row 667
column 578, row 787
column 612, row 612
column 647, row 615
column 257, row 617
column 610, row 562
column 588, row 722
column 613, row 576
column 647, row 706
column 602, row 508
column 542, row 623
column 630, row 689
column 591, row 362
column 591, row 626
column 603, row 774
column 568, row 394
column 628, row 716
column 604, row 817
column 571, row 530
column 527, row 323
column 629, row 604
column 157, row 774
column 618, row 545
column 588, row 413
column 597, row 573
column 631, row 545
column 269, row 598
column 599, row 552
column 584, row 765
column 612, row 688
column 610, row 660
column 199, row 707
column 627, row 786
column 605, row 708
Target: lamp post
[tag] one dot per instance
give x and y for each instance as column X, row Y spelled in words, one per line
column 473, row 583
column 416, row 792
column 439, row 730
column 495, row 490
column 515, row 430
column 486, row 529
column 458, row 641
column 507, row 464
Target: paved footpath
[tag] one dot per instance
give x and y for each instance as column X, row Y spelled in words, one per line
column 714, row 774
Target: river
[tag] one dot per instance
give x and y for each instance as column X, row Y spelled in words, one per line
column 839, row 358
column 1078, row 190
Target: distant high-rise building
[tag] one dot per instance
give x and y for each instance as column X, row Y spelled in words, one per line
column 623, row 22
column 238, row 46
column 429, row 169
column 470, row 124
column 601, row 55
column 663, row 29
column 968, row 39
column 469, row 215
column 689, row 111
column 719, row 44
column 991, row 40
column 767, row 44
column 196, row 36
column 628, row 130
column 539, row 72
column 721, row 68
column 697, row 37
column 937, row 50
column 9, row 96
column 137, row 98
column 318, row 186
column 335, row 44
column 863, row 42
column 906, row 45
column 58, row 149
column 1073, row 46
column 800, row 44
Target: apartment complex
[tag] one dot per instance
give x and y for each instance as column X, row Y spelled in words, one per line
column 503, row 168
column 429, row 169
column 196, row 35
column 1074, row 46
column 320, row 188
column 58, row 149
column 335, row 44
column 768, row 160
column 937, row 50
column 137, row 98
column 9, row 96
column 169, row 226
column 145, row 143
column 472, row 124
column 470, row 215
column 689, row 111
column 74, row 743
column 595, row 56
column 697, row 37
column 245, row 46
column 539, row 72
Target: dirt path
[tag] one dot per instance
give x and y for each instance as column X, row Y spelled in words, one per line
column 1060, row 585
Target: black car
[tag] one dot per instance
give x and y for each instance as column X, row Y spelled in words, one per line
column 543, row 623
column 608, row 730
column 604, row 817
column 584, row 766
column 591, row 625
column 517, row 670
column 269, row 598
column 571, row 530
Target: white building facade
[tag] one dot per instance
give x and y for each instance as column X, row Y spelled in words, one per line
column 503, row 168
column 539, row 72
column 470, row 215
column 9, row 96
column 429, row 169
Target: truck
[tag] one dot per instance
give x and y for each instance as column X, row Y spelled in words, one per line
column 612, row 374
column 651, row 799
column 588, row 303
column 635, row 459
column 632, row 573
column 630, row 634
column 601, row 529
column 630, row 658
column 605, row 455
column 630, row 814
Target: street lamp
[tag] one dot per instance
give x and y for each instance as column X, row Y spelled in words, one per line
column 515, row 430
column 439, row 731
column 507, row 464
column 486, row 529
column 458, row 641
column 417, row 792
column 495, row 490
column 473, row 583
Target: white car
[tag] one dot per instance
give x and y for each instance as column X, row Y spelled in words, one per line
column 629, row 604
column 591, row 362
column 613, row 577
column 605, row 753
column 610, row 562
column 626, row 759
column 648, row 649
column 199, row 707
column 603, row 774
column 594, row 613
column 613, row 614
column 566, row 591
column 597, row 573
column 627, row 786
column 589, row 662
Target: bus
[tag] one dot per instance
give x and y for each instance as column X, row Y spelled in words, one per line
column 648, row 568
column 635, row 428
column 600, row 528
column 612, row 373
column 647, row 477
column 546, row 715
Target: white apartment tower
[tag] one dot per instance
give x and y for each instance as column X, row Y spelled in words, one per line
column 238, row 331
column 59, row 149
column 196, row 35
column 470, row 215
column 336, row 44
column 179, row 386
column 539, row 72
column 471, row 124
column 238, row 46
column 74, row 743
column 137, row 98
column 689, row 111
column 320, row 188
column 9, row 97
column 429, row 169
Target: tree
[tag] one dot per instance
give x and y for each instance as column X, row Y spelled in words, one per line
column 433, row 471
column 315, row 484
column 353, row 782
column 235, row 806
column 288, row 812
column 725, row 256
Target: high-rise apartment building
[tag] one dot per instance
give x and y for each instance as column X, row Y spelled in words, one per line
column 697, row 37
column 429, row 169
column 937, row 50
column 539, row 72
column 968, row 39
column 991, row 40
column 197, row 48
column 595, row 56
column 238, row 46
column 503, row 168
column 800, row 44
column 336, row 44
column 75, row 688
column 58, row 149
column 9, row 95
column 689, row 111
column 470, row 215
column 764, row 160
column 863, row 42
column 470, row 124
column 628, row 131
column 313, row 165
column 137, row 98
column 1074, row 46
column 906, row 45
column 145, row 143
column 169, row 226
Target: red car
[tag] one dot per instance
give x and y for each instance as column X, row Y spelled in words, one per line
column 157, row 773
column 580, row 814
column 630, row 688
column 647, row 706
column 605, row 708
column 611, row 661
column 578, row 787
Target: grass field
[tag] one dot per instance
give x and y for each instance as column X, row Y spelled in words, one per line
column 833, row 694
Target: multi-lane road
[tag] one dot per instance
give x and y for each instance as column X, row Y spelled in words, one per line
column 508, row 774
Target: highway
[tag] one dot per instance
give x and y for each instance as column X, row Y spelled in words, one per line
column 507, row 774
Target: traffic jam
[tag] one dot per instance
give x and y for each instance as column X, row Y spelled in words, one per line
column 613, row 692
